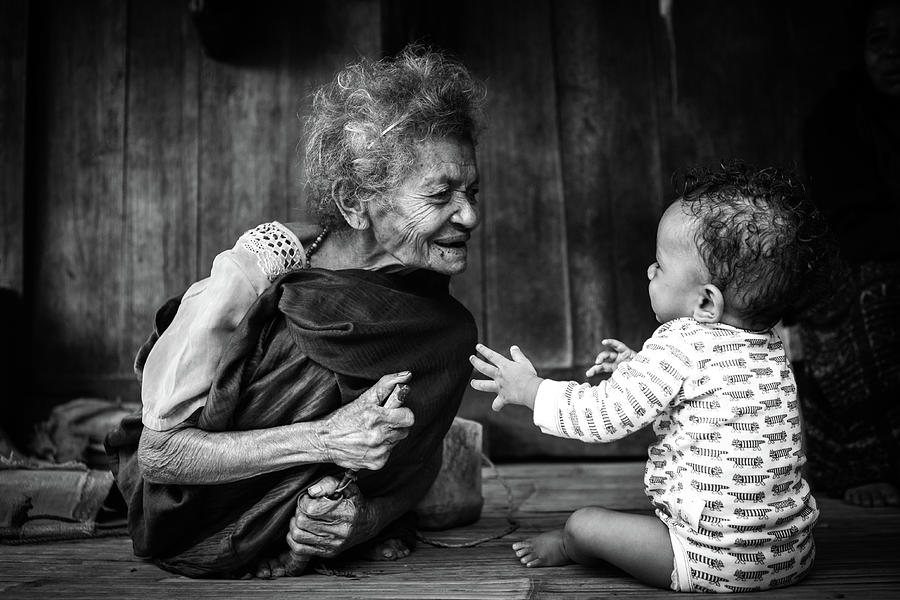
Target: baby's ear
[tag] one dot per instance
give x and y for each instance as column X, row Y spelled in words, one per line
column 710, row 305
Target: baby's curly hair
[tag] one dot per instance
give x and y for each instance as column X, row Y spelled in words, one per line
column 764, row 244
column 365, row 125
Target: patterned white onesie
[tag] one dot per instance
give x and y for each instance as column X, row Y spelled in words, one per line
column 725, row 471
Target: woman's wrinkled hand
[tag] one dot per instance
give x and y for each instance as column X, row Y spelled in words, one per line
column 362, row 433
column 326, row 526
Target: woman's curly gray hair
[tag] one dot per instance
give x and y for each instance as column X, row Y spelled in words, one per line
column 365, row 125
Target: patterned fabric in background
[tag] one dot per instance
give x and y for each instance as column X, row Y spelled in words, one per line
column 849, row 395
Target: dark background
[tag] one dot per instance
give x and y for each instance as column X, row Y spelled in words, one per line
column 138, row 140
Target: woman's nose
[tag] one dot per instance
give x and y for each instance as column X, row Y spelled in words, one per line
column 465, row 215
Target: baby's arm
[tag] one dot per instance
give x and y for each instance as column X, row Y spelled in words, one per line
column 608, row 360
column 636, row 393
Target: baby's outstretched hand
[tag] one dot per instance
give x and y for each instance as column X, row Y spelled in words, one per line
column 608, row 360
column 514, row 381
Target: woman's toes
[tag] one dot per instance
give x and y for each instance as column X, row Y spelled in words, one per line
column 390, row 549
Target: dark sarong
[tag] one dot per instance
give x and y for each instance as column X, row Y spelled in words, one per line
column 851, row 385
column 315, row 340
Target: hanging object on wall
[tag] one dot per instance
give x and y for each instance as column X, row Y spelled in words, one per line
column 665, row 11
column 226, row 28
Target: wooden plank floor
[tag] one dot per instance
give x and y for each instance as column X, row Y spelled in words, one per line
column 858, row 554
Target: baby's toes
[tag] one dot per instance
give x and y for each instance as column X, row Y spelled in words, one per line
column 520, row 548
column 536, row 561
column 526, row 555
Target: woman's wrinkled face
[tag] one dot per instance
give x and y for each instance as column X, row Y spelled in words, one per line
column 426, row 223
column 678, row 274
column 882, row 50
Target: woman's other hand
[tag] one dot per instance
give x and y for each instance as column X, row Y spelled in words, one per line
column 514, row 381
column 608, row 360
column 326, row 526
column 362, row 433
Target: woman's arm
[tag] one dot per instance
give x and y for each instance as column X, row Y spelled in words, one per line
column 359, row 435
column 179, row 370
column 191, row 456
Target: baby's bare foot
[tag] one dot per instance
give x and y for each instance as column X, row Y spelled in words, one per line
column 545, row 550
column 873, row 494
column 389, row 549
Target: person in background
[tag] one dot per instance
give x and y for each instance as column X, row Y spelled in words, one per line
column 850, row 342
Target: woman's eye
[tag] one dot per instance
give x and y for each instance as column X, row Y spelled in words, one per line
column 442, row 196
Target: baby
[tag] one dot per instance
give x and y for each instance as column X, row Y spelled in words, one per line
column 734, row 251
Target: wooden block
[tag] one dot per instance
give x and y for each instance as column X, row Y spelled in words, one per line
column 455, row 497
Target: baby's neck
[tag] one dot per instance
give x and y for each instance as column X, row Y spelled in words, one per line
column 739, row 323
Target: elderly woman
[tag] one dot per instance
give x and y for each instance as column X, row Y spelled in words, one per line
column 277, row 377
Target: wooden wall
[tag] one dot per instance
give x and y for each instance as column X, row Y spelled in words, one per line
column 141, row 158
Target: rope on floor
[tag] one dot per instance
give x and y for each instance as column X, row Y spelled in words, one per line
column 510, row 509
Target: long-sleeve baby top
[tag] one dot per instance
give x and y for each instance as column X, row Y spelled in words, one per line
column 725, row 469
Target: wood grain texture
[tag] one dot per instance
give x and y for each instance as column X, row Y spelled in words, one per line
column 611, row 171
column 250, row 172
column 13, row 44
column 735, row 86
column 78, row 211
column 161, row 162
column 857, row 554
column 526, row 284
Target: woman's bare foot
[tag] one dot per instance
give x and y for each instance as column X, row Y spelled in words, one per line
column 389, row 549
column 873, row 494
column 545, row 550
column 284, row 565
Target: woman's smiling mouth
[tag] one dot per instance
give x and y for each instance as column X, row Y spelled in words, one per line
column 453, row 243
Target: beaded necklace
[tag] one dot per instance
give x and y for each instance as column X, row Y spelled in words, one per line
column 314, row 246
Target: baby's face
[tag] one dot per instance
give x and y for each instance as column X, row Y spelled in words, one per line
column 678, row 275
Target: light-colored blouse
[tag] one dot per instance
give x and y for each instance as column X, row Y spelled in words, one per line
column 180, row 368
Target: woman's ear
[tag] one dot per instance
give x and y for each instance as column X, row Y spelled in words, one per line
column 353, row 211
column 710, row 306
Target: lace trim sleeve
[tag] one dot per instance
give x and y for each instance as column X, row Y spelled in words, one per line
column 277, row 250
